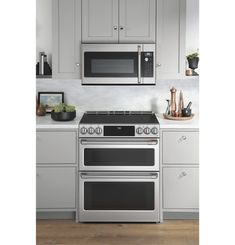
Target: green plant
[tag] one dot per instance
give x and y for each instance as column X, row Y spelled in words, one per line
column 62, row 107
column 192, row 56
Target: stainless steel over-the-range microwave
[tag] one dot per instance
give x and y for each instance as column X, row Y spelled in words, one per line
column 124, row 64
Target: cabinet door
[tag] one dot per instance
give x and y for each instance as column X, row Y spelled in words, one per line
column 171, row 35
column 180, row 147
column 66, row 38
column 56, row 147
column 99, row 21
column 56, row 187
column 137, row 21
column 180, row 188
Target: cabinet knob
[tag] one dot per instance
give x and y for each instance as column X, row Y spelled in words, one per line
column 158, row 65
column 182, row 138
column 115, row 28
column 183, row 173
column 121, row 28
column 77, row 64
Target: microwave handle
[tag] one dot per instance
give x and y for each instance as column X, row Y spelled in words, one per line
column 139, row 63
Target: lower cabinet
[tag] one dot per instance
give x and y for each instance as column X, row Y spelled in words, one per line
column 180, row 188
column 179, row 156
column 56, row 188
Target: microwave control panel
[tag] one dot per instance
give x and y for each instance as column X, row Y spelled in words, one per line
column 147, row 64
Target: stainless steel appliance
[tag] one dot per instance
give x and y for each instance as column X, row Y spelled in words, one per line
column 123, row 64
column 119, row 167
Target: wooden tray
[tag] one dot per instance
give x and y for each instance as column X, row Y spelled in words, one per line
column 178, row 118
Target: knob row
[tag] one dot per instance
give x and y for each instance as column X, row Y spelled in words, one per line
column 91, row 130
column 147, row 130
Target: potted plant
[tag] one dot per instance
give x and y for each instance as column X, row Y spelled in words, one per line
column 193, row 60
column 63, row 112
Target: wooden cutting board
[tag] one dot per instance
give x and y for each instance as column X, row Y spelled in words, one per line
column 178, row 118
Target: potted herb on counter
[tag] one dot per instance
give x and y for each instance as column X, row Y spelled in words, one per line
column 63, row 112
column 193, row 60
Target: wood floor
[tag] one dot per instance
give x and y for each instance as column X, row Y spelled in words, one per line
column 66, row 232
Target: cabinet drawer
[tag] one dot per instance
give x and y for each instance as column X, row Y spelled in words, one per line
column 180, row 147
column 56, row 147
column 180, row 188
column 56, row 187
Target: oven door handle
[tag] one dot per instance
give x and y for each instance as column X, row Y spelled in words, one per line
column 119, row 176
column 112, row 142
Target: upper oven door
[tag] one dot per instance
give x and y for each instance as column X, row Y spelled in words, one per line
column 119, row 155
column 105, row 64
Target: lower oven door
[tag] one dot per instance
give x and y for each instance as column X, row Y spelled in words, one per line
column 119, row 155
column 119, row 197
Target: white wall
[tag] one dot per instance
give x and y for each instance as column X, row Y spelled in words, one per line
column 192, row 26
column 44, row 28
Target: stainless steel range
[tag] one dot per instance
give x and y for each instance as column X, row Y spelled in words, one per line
column 119, row 167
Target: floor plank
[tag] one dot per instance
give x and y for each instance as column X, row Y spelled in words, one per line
column 67, row 232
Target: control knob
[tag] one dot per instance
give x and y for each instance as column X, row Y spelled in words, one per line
column 139, row 130
column 98, row 130
column 83, row 130
column 147, row 130
column 91, row 130
column 154, row 130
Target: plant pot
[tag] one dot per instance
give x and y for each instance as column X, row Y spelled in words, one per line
column 63, row 116
column 193, row 63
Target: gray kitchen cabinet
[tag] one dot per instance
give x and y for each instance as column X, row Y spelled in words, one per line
column 170, row 39
column 56, row 188
column 180, row 188
column 66, row 38
column 56, row 147
column 100, row 21
column 122, row 21
column 179, row 161
column 180, row 147
column 137, row 21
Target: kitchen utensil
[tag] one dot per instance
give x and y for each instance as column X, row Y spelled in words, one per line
column 186, row 112
column 41, row 63
column 168, row 108
column 181, row 104
column 173, row 101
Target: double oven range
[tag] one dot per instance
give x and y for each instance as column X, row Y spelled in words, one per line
column 119, row 167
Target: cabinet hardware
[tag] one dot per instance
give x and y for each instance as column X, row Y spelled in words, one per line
column 158, row 65
column 182, row 138
column 121, row 28
column 77, row 64
column 115, row 28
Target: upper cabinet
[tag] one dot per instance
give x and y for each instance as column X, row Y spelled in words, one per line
column 66, row 38
column 137, row 21
column 170, row 36
column 100, row 21
column 123, row 21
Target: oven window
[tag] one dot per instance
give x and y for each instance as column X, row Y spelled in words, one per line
column 118, row 195
column 118, row 157
column 111, row 64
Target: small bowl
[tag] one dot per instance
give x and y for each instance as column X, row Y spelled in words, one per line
column 63, row 116
column 186, row 112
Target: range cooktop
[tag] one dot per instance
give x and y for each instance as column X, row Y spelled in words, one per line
column 119, row 117
column 119, row 124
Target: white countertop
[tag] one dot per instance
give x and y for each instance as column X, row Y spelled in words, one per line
column 165, row 123
column 46, row 122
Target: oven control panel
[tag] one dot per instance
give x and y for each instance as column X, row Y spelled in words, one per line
column 94, row 130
